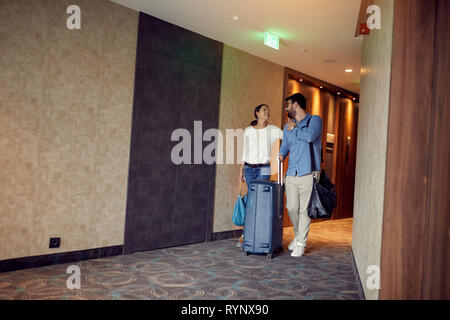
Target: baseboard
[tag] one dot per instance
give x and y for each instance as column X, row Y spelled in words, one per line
column 226, row 234
column 58, row 258
column 357, row 278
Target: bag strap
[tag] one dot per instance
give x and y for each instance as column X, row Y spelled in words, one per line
column 311, row 148
column 311, row 151
column 240, row 189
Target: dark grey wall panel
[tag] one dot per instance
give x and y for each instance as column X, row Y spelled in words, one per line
column 177, row 82
column 174, row 41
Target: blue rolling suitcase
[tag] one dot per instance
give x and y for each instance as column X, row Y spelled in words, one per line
column 263, row 228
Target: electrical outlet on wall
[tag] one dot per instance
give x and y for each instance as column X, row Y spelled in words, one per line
column 54, row 242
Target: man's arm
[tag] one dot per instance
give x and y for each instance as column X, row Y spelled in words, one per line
column 284, row 148
column 311, row 133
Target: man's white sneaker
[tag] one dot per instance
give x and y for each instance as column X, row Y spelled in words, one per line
column 298, row 251
column 292, row 244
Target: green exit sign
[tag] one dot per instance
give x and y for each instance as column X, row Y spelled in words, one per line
column 271, row 40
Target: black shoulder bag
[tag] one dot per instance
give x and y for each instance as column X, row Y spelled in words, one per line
column 323, row 197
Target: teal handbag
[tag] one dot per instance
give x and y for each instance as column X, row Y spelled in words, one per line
column 239, row 208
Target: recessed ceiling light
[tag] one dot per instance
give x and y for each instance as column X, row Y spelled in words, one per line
column 339, row 93
column 354, row 99
column 348, row 70
column 234, row 18
column 301, row 80
column 321, row 87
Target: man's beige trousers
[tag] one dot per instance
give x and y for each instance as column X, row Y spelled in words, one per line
column 298, row 193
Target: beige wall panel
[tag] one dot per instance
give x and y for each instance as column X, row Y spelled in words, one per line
column 247, row 81
column 65, row 122
column 372, row 144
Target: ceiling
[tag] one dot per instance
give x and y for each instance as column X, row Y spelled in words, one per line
column 324, row 28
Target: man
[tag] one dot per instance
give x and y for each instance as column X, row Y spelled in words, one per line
column 300, row 130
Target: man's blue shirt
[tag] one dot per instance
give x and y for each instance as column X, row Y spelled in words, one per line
column 296, row 143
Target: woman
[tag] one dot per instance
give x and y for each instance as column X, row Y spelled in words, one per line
column 259, row 138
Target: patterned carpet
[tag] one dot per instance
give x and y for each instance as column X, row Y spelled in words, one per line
column 213, row 270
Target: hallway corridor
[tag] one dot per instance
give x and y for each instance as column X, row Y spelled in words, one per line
column 210, row 270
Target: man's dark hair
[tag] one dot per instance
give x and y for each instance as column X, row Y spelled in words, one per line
column 299, row 98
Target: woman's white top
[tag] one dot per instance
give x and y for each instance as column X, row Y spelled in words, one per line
column 258, row 143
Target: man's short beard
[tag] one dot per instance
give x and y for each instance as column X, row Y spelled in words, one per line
column 292, row 114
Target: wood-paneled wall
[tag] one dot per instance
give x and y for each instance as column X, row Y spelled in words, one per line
column 415, row 254
column 436, row 283
column 362, row 17
column 345, row 157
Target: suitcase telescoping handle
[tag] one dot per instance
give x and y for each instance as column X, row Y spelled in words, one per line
column 280, row 172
